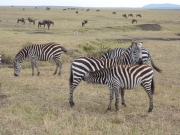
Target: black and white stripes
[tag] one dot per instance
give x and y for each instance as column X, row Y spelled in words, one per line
column 146, row 56
column 81, row 65
column 119, row 78
column 41, row 52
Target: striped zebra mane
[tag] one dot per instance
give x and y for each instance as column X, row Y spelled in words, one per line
column 20, row 52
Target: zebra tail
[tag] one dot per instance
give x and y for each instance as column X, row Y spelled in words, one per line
column 71, row 77
column 154, row 66
column 152, row 86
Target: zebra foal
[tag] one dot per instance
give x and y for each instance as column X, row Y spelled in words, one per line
column 121, row 77
column 81, row 65
column 41, row 52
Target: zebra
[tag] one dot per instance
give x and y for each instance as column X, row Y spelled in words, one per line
column 121, row 77
column 82, row 64
column 41, row 52
column 146, row 56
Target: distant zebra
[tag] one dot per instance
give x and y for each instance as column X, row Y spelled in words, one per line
column 21, row 20
column 41, row 52
column 146, row 56
column 81, row 65
column 119, row 78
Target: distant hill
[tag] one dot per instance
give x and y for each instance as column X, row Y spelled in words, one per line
column 162, row 6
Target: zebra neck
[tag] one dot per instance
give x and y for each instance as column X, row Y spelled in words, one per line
column 21, row 55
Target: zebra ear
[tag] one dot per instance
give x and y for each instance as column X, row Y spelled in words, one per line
column 140, row 44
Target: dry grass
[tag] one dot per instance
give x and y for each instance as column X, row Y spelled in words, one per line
column 39, row 105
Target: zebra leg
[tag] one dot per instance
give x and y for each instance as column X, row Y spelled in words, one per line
column 58, row 65
column 36, row 68
column 111, row 98
column 73, row 85
column 122, row 97
column 117, row 99
column 32, row 65
column 151, row 100
column 150, row 95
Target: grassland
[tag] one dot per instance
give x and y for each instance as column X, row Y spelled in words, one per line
column 39, row 104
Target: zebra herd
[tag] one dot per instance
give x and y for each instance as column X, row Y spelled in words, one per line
column 119, row 69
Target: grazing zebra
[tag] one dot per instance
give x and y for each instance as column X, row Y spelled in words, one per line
column 41, row 52
column 121, row 77
column 21, row 20
column 146, row 56
column 81, row 65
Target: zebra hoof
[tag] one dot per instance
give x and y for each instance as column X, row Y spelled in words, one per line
column 108, row 108
column 72, row 104
column 150, row 110
column 124, row 104
column 38, row 73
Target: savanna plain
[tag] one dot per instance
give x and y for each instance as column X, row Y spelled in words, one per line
column 39, row 105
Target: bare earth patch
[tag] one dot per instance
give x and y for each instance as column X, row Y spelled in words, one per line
column 153, row 27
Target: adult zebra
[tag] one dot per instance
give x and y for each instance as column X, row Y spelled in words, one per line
column 81, row 65
column 146, row 56
column 41, row 52
column 123, row 77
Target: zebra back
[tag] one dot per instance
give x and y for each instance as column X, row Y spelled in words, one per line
column 126, row 76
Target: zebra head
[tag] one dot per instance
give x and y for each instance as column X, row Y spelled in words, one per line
column 17, row 67
column 136, row 53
